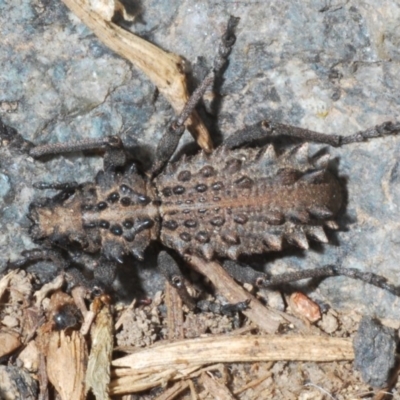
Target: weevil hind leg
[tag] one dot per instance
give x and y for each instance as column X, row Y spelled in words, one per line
column 268, row 129
column 245, row 274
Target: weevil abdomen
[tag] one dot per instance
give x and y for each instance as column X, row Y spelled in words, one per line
column 246, row 201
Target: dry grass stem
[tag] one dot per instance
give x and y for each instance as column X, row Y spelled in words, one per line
column 228, row 349
column 157, row 365
column 138, row 382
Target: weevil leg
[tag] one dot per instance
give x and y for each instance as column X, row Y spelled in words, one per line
column 103, row 277
column 172, row 135
column 104, row 274
column 36, row 255
column 114, row 155
column 269, row 129
column 243, row 274
column 56, row 185
column 171, row 271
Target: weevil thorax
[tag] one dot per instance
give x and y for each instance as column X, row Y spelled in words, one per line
column 117, row 214
column 246, row 201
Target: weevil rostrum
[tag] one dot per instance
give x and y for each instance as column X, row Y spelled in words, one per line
column 235, row 201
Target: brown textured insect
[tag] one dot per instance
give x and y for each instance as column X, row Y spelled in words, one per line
column 225, row 204
column 233, row 202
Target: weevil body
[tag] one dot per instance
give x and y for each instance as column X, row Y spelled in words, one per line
column 229, row 203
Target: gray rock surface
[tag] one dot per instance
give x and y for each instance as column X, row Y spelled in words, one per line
column 330, row 66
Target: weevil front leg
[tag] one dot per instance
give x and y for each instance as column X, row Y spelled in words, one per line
column 36, row 255
column 103, row 275
column 114, row 156
column 172, row 135
column 246, row 274
column 269, row 129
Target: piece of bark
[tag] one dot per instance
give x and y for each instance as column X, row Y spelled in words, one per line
column 43, row 378
column 29, row 357
column 17, row 384
column 66, row 364
column 9, row 342
column 164, row 69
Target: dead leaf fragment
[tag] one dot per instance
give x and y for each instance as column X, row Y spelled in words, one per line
column 98, row 370
column 66, row 364
column 29, row 357
column 52, row 286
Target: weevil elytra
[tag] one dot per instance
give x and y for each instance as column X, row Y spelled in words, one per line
column 235, row 201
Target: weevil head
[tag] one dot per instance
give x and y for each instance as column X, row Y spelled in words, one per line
column 116, row 215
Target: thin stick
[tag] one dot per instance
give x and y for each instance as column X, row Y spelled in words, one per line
column 165, row 70
column 267, row 319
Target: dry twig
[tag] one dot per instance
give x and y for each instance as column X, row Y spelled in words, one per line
column 164, row 69
column 265, row 318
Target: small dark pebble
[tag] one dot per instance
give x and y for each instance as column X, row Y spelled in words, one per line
column 375, row 352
